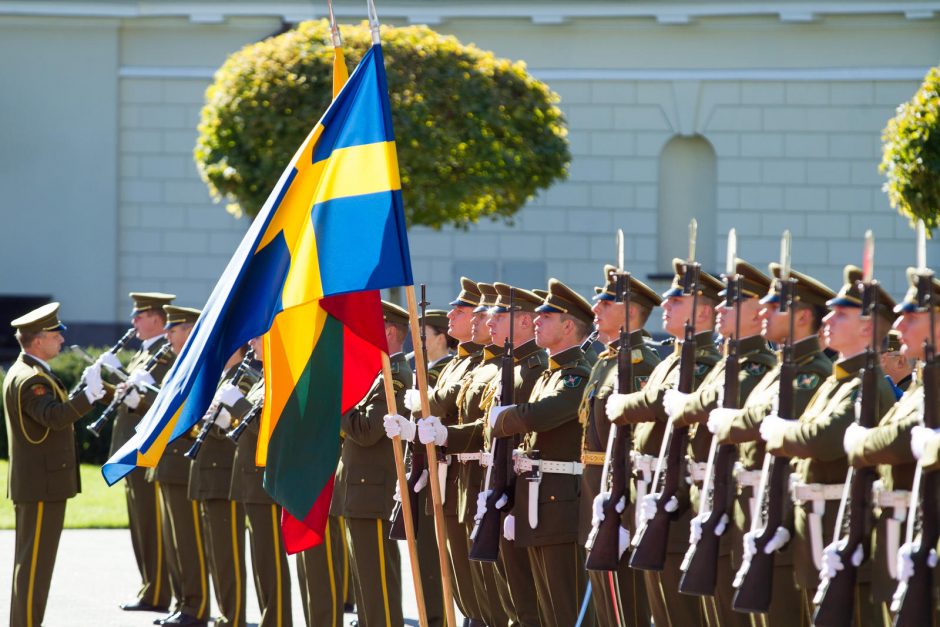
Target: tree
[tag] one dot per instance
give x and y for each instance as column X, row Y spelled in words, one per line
column 911, row 159
column 477, row 136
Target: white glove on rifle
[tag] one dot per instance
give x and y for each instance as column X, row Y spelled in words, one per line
column 674, row 401
column 616, row 405
column 832, row 561
column 430, row 430
column 772, row 427
column 509, row 527
column 398, row 426
column 141, row 377
column 482, row 496
column 228, row 394
column 495, row 412
column 649, row 507
column 94, row 388
column 921, row 438
column 719, row 419
column 778, row 541
column 906, row 561
column 421, row 482
column 600, row 501
column 695, row 530
column 109, row 360
column 854, row 434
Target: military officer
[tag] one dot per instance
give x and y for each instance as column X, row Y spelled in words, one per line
column 820, row 468
column 43, row 470
column 755, row 359
column 645, row 409
column 143, row 511
column 741, row 427
column 609, row 317
column 365, row 485
column 183, row 535
column 897, row 366
column 268, row 557
column 223, row 520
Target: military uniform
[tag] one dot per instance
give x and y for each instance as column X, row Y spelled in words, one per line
column 223, row 520
column 43, row 470
column 323, row 572
column 268, row 557
column 143, row 497
column 593, row 416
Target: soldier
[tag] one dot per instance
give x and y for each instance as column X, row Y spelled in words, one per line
column 609, row 317
column 888, row 447
column 646, row 410
column 323, row 574
column 268, row 557
column 143, row 511
column 365, row 485
column 210, row 483
column 754, row 358
column 741, row 427
column 897, row 366
column 43, row 470
column 182, row 529
column 820, row 470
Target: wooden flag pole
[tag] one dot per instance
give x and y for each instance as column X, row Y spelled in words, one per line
column 403, row 491
column 422, row 375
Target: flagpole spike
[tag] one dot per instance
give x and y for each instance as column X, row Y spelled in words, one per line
column 334, row 29
column 620, row 250
column 730, row 264
column 374, row 23
column 868, row 258
column 921, row 246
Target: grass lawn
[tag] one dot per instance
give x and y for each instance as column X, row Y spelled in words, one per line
column 98, row 506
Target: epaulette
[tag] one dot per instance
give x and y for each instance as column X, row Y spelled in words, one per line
column 533, row 361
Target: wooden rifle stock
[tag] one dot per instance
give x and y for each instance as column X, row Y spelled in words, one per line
column 419, row 464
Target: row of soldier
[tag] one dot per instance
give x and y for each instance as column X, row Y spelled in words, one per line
column 187, row 518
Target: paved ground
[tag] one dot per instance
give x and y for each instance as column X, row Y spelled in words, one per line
column 95, row 571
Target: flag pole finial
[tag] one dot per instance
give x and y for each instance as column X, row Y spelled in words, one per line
column 374, row 23
column 334, row 29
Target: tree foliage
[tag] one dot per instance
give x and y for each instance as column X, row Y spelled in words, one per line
column 477, row 136
column 911, row 159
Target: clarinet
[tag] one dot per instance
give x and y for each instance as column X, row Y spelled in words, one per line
column 244, row 369
column 109, row 412
column 236, row 432
column 120, row 344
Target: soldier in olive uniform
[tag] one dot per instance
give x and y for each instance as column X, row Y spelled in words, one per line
column 888, row 447
column 183, row 536
column 43, row 471
column 464, row 442
column 365, row 485
column 544, row 518
column 741, row 427
column 815, row 438
column 143, row 509
column 755, row 359
column 645, row 410
column 268, row 557
column 210, row 482
column 324, row 576
column 609, row 317
column 898, row 367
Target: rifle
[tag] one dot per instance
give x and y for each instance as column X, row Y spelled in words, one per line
column 652, row 539
column 109, row 412
column 603, row 543
column 913, row 599
column 120, row 373
column 500, row 476
column 244, row 369
column 700, row 565
column 754, row 580
column 419, row 460
column 835, row 597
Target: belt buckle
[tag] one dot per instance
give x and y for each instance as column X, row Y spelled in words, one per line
column 534, row 475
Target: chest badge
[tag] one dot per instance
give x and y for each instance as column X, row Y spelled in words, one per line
column 572, row 380
column 807, row 381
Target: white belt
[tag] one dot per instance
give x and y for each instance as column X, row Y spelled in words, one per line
column 463, row 458
column 746, row 478
column 896, row 499
column 486, row 459
column 524, row 464
column 697, row 471
column 817, row 494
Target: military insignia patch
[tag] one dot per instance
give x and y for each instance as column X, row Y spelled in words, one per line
column 397, row 385
column 572, row 380
column 38, row 389
column 701, row 370
column 640, row 382
column 755, row 369
column 806, row 381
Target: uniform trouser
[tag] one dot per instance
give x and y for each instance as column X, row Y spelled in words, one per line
column 632, row 589
column 269, row 562
column 224, row 524
column 464, row 592
column 667, row 605
column 323, row 571
column 560, row 582
column 429, row 562
column 38, row 529
column 524, row 602
column 486, row 588
column 146, row 527
column 183, row 539
column 718, row 608
column 376, row 567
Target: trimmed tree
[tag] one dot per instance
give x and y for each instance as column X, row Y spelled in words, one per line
column 911, row 159
column 477, row 136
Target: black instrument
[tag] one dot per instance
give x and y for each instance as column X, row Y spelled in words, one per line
column 111, row 410
column 244, row 370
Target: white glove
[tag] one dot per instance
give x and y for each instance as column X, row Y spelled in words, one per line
column 906, row 561
column 224, row 419
column 430, row 430
column 599, row 502
column 719, row 419
column 132, row 398
column 772, row 427
column 140, row 377
column 421, row 482
column 616, row 405
column 648, row 506
column 412, row 399
column 921, row 438
column 94, row 388
column 399, row 426
column 722, row 525
column 509, row 527
column 854, row 434
column 674, row 401
column 109, row 360
column 832, row 561
column 495, row 412
column 228, row 394
column 482, row 496
column 623, row 541
column 695, row 531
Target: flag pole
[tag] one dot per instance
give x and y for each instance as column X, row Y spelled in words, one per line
column 403, row 492
column 422, row 375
